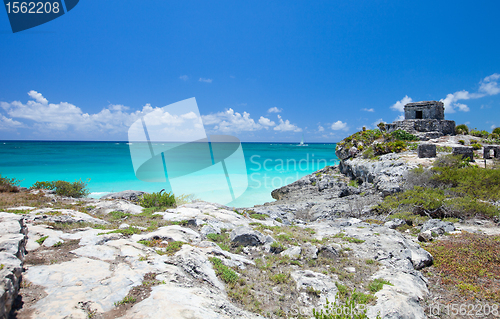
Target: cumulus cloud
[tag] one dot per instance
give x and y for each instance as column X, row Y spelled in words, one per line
column 400, row 105
column 205, row 80
column 48, row 117
column 266, row 123
column 285, row 126
column 37, row 97
column 339, row 125
column 8, row 124
column 401, row 117
column 320, row 128
column 487, row 87
column 184, row 77
column 231, row 121
column 368, row 110
column 274, row 110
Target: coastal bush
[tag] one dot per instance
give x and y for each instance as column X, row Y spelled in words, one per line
column 496, row 131
column 9, row 185
column 157, row 200
column 389, row 147
column 462, row 129
column 451, row 188
column 363, row 137
column 476, row 146
column 461, row 142
column 477, row 133
column 77, row 189
column 401, row 135
column 224, row 272
column 349, row 305
column 377, row 285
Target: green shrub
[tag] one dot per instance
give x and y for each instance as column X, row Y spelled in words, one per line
column 353, row 183
column 224, row 272
column 482, row 133
column 462, row 129
column 9, row 185
column 462, row 142
column 476, row 146
column 258, row 216
column 365, row 137
column 157, row 200
column 41, row 239
column 377, row 285
column 496, row 131
column 368, row 153
column 77, row 189
column 351, row 306
column 389, row 147
column 403, row 136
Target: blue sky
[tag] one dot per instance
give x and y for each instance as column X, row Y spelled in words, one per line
column 259, row 70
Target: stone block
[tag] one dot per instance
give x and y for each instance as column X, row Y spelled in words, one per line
column 426, row 150
column 465, row 152
column 487, row 151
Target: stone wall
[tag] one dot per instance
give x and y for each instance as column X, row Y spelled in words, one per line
column 13, row 238
column 430, row 110
column 487, row 151
column 465, row 152
column 444, row 127
column 426, row 150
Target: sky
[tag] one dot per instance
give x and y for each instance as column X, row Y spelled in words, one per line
column 263, row 71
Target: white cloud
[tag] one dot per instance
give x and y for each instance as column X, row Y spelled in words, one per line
column 184, row 77
column 487, row 86
column 49, row 117
column 368, row 110
column 266, row 122
column 320, row 128
column 231, row 121
column 37, row 97
column 205, row 80
column 339, row 125
column 493, row 127
column 401, row 117
column 400, row 105
column 9, row 124
column 285, row 126
column 274, row 110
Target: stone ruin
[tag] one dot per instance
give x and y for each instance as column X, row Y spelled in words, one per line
column 487, row 151
column 424, row 119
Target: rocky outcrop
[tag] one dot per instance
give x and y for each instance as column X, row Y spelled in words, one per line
column 129, row 195
column 386, row 174
column 13, row 237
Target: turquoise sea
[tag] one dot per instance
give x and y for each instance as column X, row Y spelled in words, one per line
column 109, row 167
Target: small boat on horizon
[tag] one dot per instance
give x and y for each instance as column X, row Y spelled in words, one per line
column 302, row 142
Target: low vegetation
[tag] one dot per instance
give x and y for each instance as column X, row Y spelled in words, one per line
column 466, row 266
column 158, row 200
column 8, row 185
column 76, row 189
column 451, row 188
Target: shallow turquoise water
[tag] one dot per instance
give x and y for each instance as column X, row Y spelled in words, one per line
column 109, row 167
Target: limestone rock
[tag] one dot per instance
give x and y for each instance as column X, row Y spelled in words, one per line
column 438, row 226
column 309, row 251
column 247, row 237
column 129, row 195
column 293, row 252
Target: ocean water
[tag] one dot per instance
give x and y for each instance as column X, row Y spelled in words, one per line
column 108, row 167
